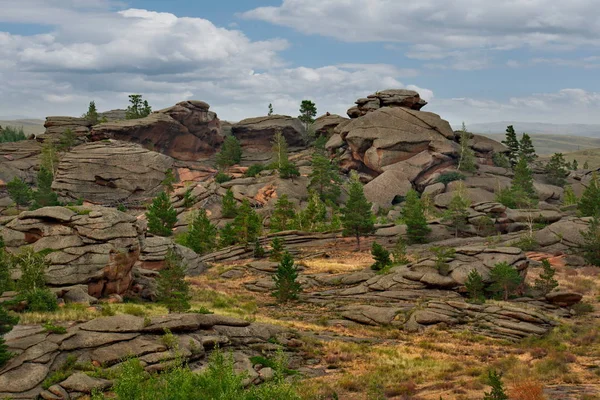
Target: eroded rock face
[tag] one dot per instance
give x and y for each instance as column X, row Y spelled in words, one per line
column 256, row 134
column 19, row 159
column 325, row 124
column 387, row 98
column 105, row 341
column 110, row 173
column 187, row 131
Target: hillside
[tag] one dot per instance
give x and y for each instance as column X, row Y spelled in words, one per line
column 550, row 143
column 589, row 130
column 35, row 126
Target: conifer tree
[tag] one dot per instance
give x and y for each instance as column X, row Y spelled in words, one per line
column 247, row 223
column 589, row 204
column 168, row 181
column 138, row 107
column 277, row 249
column 289, row 171
column 172, row 289
column 512, row 143
column 19, row 192
column 399, row 252
column 92, row 113
column 67, row 140
column 324, row 178
column 270, row 110
column 283, row 214
column 497, row 392
column 526, row 149
column 202, row 234
column 259, row 251
column 44, row 196
column 569, row 197
column 230, row 153
column 546, row 282
column 591, row 241
column 229, row 205
column 308, row 111
column 575, row 165
column 313, row 218
column 522, row 187
column 556, row 170
column 357, row 218
column 228, row 235
column 280, row 150
column 586, row 165
column 286, row 286
column 414, row 218
column 6, row 283
column 457, row 214
column 161, row 216
column 49, row 157
column 475, row 286
column 505, row 280
column 466, row 161
column 381, row 256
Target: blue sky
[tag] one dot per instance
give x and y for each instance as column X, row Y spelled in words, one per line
column 473, row 60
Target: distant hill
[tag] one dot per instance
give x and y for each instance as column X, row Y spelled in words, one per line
column 592, row 156
column 550, row 144
column 536, row 127
column 30, row 126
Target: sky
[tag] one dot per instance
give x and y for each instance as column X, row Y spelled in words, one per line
column 472, row 60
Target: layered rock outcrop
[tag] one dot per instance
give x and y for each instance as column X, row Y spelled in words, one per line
column 109, row 341
column 110, row 173
column 93, row 246
column 187, row 131
column 387, row 98
column 256, row 134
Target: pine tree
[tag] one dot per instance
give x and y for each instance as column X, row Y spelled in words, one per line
column 467, row 155
column 313, row 218
column 270, row 110
column 229, row 205
column 49, row 157
column 283, row 214
column 286, row 285
column 522, row 187
column 497, row 392
column 44, row 196
column 325, row 178
column 230, row 153
column 589, row 204
column 457, row 214
column 381, row 256
column 19, row 192
column 92, row 113
column 505, row 280
column 171, row 288
column 586, row 165
column 308, row 111
column 399, row 252
column 475, row 286
column 247, row 223
column 277, row 249
column 6, row 282
column 569, row 196
column 556, row 170
column 280, row 150
column 67, row 140
column 138, row 108
column 228, row 235
column 161, row 216
column 512, row 143
column 591, row 241
column 414, row 218
column 526, row 149
column 168, row 181
column 546, row 282
column 289, row 171
column 575, row 165
column 202, row 234
column 259, row 251
column 7, row 321
column 357, row 218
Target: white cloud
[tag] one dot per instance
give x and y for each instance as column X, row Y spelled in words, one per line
column 93, row 52
column 440, row 29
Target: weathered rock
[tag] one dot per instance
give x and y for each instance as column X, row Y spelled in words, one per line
column 387, row 98
column 475, row 195
column 563, row 298
column 80, row 382
column 111, row 173
column 187, row 131
column 325, row 124
column 256, row 134
column 19, row 159
column 387, row 187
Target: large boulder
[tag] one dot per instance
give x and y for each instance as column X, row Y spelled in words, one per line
column 387, row 98
column 19, row 159
column 187, row 131
column 111, row 172
column 55, row 126
column 256, row 134
column 325, row 124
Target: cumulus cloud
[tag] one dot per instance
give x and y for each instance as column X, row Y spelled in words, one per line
column 439, row 29
column 95, row 50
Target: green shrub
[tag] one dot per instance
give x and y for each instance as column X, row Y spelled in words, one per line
column 448, row 177
column 172, row 289
column 526, row 243
column 500, row 160
column 381, row 256
column 582, row 308
column 442, row 256
column 7, row 321
column 41, row 300
column 475, row 286
column 12, row 134
column 286, row 285
column 254, row 170
column 497, row 392
column 222, row 177
column 259, row 251
column 230, row 153
column 51, row 328
column 546, row 282
column 161, row 215
column 505, row 280
column 399, row 252
column 277, row 249
column 229, row 207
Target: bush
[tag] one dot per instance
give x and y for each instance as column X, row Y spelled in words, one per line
column 229, row 205
column 254, row 170
column 500, row 160
column 582, row 308
column 222, row 177
column 546, row 282
column 7, row 321
column 475, row 286
column 591, row 242
column 172, row 289
column 230, row 153
column 41, row 300
column 442, row 256
column 51, row 328
column 258, row 251
column 497, row 392
column 526, row 243
column 277, row 249
column 12, row 134
column 381, row 256
column 448, row 177
column 505, row 280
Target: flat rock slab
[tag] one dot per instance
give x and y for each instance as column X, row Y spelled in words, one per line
column 117, row 323
column 86, row 339
column 80, row 382
column 135, row 348
column 25, row 378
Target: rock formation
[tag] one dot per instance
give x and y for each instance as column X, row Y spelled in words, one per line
column 187, row 131
column 108, row 341
column 256, row 134
column 111, row 172
column 387, row 98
